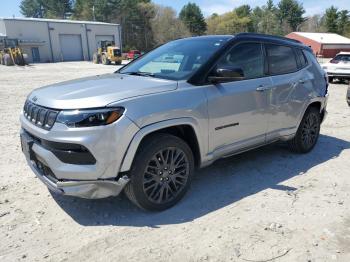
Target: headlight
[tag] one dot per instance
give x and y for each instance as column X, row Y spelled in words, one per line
column 87, row 118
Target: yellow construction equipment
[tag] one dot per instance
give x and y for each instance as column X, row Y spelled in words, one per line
column 107, row 52
column 11, row 54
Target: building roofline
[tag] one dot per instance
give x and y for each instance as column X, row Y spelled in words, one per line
column 56, row 21
column 323, row 38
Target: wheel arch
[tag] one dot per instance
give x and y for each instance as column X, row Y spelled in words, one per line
column 184, row 128
column 319, row 103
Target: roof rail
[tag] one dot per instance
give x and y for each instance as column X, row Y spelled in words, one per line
column 269, row 36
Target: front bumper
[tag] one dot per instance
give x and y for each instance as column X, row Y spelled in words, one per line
column 107, row 145
column 84, row 189
column 339, row 75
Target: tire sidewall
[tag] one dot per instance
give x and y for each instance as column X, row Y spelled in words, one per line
column 299, row 133
column 150, row 148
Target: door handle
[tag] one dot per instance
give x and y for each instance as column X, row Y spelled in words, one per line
column 261, row 88
column 301, row 81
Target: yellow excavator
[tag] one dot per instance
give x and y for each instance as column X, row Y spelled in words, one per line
column 107, row 52
column 11, row 54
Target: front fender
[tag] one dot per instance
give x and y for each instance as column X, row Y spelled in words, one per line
column 136, row 141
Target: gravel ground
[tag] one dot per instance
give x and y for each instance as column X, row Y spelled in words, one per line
column 264, row 205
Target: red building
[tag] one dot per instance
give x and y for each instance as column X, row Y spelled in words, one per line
column 325, row 45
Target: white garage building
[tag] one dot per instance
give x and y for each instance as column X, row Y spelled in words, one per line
column 47, row 40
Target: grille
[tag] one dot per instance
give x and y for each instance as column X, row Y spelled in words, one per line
column 39, row 116
column 117, row 52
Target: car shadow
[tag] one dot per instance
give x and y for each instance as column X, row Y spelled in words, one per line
column 225, row 182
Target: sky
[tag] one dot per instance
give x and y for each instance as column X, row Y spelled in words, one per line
column 10, row 8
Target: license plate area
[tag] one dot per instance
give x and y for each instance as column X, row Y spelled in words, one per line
column 27, row 144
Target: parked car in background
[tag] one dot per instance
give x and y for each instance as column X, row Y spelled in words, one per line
column 338, row 67
column 133, row 54
column 145, row 128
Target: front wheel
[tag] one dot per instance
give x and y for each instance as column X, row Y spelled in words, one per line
column 105, row 60
column 161, row 174
column 308, row 132
column 96, row 58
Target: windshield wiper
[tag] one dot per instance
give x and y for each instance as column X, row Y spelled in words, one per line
column 141, row 74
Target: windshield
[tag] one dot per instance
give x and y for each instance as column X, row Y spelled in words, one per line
column 177, row 60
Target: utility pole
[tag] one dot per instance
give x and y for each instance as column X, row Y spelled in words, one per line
column 41, row 11
column 93, row 12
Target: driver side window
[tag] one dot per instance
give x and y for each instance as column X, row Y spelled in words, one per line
column 246, row 56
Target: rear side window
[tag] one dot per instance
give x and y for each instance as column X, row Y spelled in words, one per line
column 301, row 57
column 281, row 59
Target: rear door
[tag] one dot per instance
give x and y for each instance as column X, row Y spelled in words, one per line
column 238, row 110
column 288, row 95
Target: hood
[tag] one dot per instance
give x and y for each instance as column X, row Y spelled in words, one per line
column 98, row 91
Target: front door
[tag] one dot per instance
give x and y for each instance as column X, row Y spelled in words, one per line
column 238, row 111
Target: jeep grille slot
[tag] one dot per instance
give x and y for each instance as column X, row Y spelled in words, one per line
column 40, row 116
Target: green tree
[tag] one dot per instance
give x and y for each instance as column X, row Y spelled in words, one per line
column 228, row 23
column 46, row 8
column 331, row 19
column 32, row 8
column 343, row 22
column 83, row 10
column 166, row 26
column 192, row 16
column 270, row 6
column 131, row 15
column 314, row 24
column 265, row 20
column 58, row 8
column 245, row 11
column 290, row 14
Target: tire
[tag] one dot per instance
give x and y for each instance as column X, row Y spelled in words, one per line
column 8, row 60
column 105, row 60
column 96, row 59
column 330, row 79
column 164, row 184
column 308, row 132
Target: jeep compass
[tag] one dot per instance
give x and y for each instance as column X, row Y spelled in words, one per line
column 144, row 129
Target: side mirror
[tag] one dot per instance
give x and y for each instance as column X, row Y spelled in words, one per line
column 226, row 74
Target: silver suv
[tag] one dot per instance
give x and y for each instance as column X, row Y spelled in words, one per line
column 145, row 128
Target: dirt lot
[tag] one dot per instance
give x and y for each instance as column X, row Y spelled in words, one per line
column 266, row 205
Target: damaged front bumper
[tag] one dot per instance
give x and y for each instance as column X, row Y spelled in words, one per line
column 94, row 189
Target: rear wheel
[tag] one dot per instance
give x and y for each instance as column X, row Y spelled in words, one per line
column 161, row 173
column 308, row 132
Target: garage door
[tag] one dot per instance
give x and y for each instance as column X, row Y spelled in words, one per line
column 71, row 47
column 100, row 38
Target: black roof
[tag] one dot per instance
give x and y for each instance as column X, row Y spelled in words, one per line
column 272, row 38
column 256, row 36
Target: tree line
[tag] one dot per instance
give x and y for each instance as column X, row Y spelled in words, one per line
column 146, row 24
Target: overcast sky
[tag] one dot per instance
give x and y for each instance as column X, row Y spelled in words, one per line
column 11, row 7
